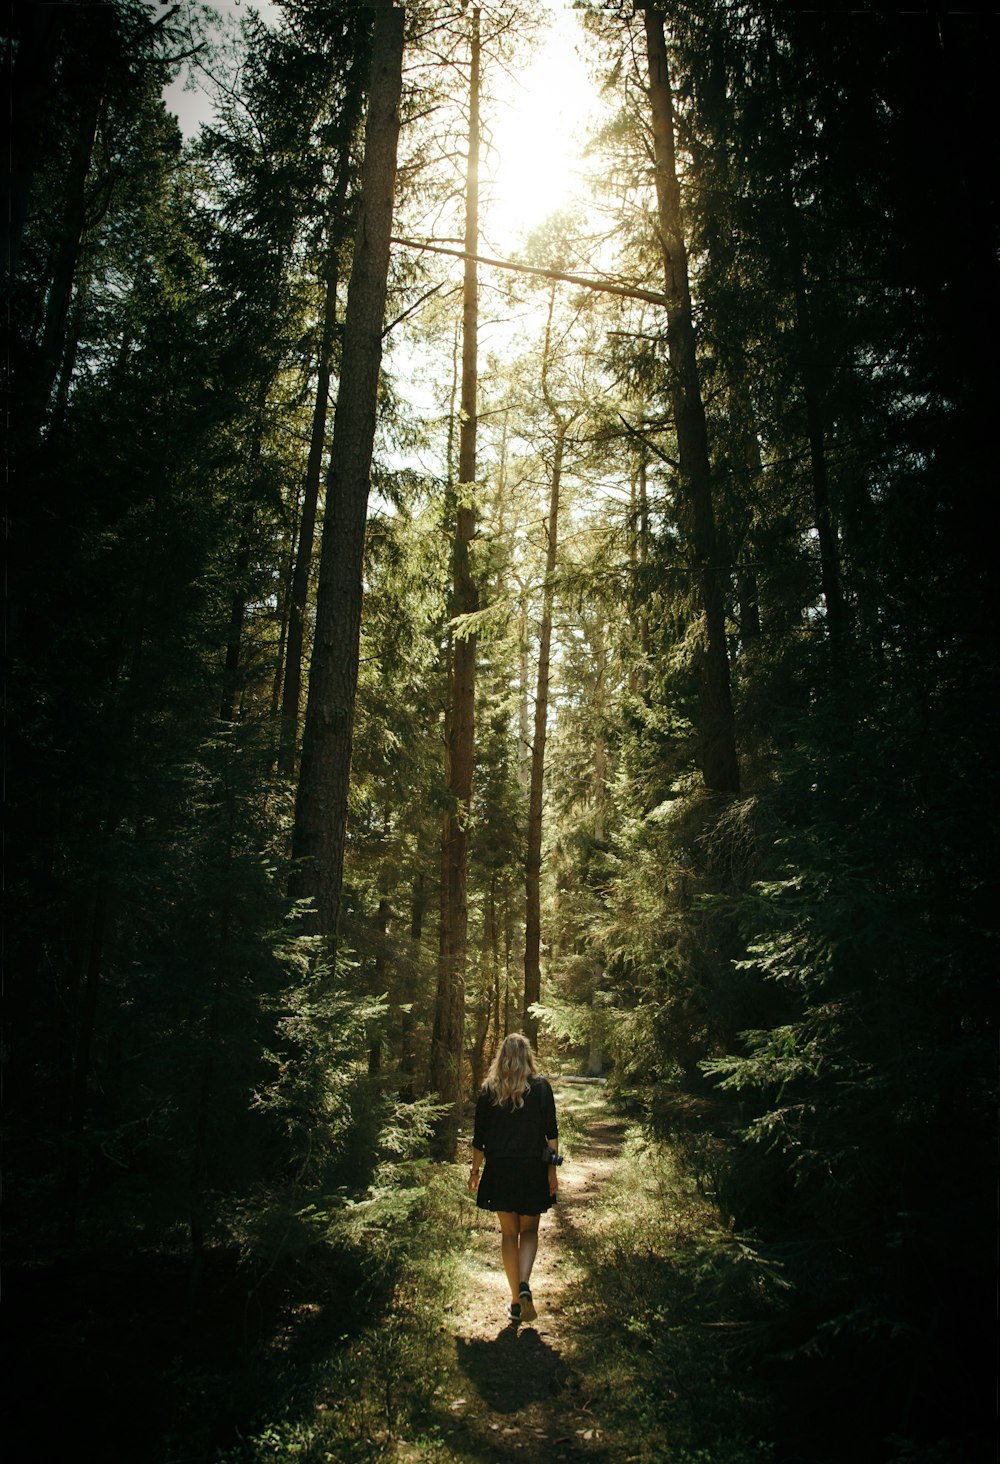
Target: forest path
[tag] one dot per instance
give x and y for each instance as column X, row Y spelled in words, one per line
column 514, row 1391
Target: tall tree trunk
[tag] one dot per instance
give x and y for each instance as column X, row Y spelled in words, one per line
column 321, row 803
column 494, row 967
column 291, row 696
column 600, row 746
column 523, row 717
column 57, row 417
column 595, row 1052
column 810, row 375
column 67, row 251
column 487, row 976
column 29, row 91
column 119, row 719
column 638, row 676
column 238, row 604
column 449, row 1017
column 292, row 689
column 643, row 528
column 284, row 599
column 533, row 855
column 234, row 638
column 411, row 972
column 720, row 768
column 378, row 977
column 747, row 587
column 826, row 529
column 735, row 540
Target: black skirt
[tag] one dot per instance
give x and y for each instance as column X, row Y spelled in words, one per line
column 520, row 1185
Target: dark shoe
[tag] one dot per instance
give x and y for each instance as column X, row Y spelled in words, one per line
column 514, row 1312
column 528, row 1312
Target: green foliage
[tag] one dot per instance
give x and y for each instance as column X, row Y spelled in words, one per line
column 351, row 1397
column 797, row 978
column 694, row 1305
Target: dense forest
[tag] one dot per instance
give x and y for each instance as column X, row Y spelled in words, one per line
column 412, row 641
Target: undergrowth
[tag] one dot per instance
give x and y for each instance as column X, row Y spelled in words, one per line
column 353, row 1377
column 679, row 1324
column 675, row 1309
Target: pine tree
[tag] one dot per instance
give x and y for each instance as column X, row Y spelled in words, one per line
column 321, row 804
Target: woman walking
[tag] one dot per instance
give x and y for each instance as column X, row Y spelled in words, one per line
column 515, row 1126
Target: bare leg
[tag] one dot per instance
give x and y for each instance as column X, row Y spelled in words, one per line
column 510, row 1247
column 528, row 1246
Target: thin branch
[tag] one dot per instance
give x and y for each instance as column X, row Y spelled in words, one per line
column 410, row 309
column 641, row 437
column 628, row 292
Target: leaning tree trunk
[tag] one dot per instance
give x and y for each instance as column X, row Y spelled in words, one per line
column 321, row 803
column 720, row 768
column 449, row 1017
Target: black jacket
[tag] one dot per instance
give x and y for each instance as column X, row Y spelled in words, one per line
column 504, row 1132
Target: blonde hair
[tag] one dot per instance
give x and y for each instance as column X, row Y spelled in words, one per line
column 510, row 1070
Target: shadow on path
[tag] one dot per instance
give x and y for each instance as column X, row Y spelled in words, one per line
column 515, row 1369
column 525, row 1398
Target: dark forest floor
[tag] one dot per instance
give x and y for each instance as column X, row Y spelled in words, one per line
column 104, row 1361
column 654, row 1343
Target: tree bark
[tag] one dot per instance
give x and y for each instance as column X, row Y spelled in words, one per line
column 747, row 587
column 719, row 764
column 449, row 1019
column 31, row 86
column 291, row 696
column 638, row 676
column 600, row 746
column 487, row 963
column 826, row 529
column 411, row 972
column 292, row 690
column 238, row 604
column 282, row 610
column 533, row 856
column 71, row 347
column 67, row 254
column 321, row 802
column 809, row 372
column 378, row 978
column 523, row 720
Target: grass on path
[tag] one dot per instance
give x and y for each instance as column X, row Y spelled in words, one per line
column 648, row 1314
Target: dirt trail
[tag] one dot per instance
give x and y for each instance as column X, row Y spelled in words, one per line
column 514, row 1391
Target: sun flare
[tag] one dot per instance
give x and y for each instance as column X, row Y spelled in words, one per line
column 534, row 166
